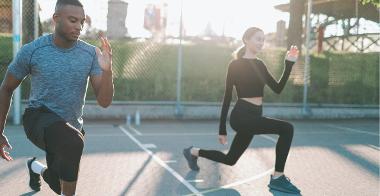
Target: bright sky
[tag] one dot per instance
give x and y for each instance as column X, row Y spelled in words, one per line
column 234, row 15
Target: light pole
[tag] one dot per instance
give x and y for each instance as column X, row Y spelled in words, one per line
column 179, row 111
column 16, row 17
column 306, row 109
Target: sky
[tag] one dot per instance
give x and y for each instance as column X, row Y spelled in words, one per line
column 229, row 16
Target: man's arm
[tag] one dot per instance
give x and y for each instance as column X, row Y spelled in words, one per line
column 103, row 88
column 103, row 84
column 9, row 84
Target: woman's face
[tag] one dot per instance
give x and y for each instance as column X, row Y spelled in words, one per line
column 256, row 42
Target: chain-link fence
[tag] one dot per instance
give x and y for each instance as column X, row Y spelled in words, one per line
column 146, row 44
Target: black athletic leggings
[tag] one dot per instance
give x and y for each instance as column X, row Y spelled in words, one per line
column 62, row 143
column 64, row 146
column 247, row 120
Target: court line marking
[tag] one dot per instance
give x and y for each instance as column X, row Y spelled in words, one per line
column 161, row 162
column 351, row 129
column 196, row 180
column 178, row 134
column 240, row 181
column 374, row 147
column 237, row 183
column 213, row 134
column 269, row 138
column 134, row 130
column 171, row 161
column 97, row 126
column 245, row 180
column 149, row 146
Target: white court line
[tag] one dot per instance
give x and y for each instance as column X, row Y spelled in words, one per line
column 211, row 190
column 134, row 130
column 104, row 135
column 162, row 163
column 245, row 180
column 196, row 180
column 149, row 146
column 97, row 126
column 170, row 161
column 179, row 134
column 238, row 182
column 374, row 147
column 215, row 134
column 351, row 129
column 269, row 138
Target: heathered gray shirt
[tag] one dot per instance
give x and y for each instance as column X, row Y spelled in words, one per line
column 59, row 77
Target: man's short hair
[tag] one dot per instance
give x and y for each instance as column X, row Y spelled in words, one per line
column 61, row 3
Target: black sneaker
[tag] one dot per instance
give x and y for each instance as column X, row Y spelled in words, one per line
column 191, row 159
column 283, row 184
column 34, row 179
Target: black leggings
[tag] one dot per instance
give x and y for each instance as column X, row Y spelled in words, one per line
column 247, row 120
column 64, row 147
column 62, row 143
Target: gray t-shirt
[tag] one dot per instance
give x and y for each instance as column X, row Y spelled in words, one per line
column 59, row 77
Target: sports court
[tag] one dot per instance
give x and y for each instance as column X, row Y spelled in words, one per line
column 327, row 158
column 170, row 62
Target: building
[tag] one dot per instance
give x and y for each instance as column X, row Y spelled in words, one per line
column 117, row 13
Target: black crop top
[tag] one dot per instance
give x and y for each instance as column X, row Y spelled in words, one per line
column 249, row 76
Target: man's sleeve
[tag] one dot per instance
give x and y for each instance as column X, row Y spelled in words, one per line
column 20, row 66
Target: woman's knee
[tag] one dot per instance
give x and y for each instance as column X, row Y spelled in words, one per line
column 231, row 162
column 288, row 129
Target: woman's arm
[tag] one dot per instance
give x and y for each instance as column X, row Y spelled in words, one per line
column 278, row 86
column 226, row 102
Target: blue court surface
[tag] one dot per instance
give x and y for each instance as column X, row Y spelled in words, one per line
column 332, row 157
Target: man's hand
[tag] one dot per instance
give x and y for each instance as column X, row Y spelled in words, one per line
column 105, row 55
column 4, row 143
column 223, row 139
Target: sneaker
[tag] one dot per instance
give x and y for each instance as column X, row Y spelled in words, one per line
column 283, row 184
column 191, row 159
column 34, row 179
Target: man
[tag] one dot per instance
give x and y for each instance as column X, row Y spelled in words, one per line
column 59, row 65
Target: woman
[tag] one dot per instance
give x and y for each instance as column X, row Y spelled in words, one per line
column 249, row 75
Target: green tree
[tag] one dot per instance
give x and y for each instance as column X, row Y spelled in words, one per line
column 374, row 2
column 295, row 23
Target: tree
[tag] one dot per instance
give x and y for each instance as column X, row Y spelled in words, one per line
column 295, row 29
column 374, row 2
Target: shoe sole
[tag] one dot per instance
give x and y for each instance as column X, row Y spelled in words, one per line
column 188, row 161
column 283, row 190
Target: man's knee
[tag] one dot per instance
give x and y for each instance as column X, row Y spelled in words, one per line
column 70, row 140
column 76, row 144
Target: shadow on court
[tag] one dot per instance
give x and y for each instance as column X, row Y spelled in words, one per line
column 342, row 156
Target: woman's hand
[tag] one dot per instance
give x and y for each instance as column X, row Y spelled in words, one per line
column 223, row 139
column 292, row 54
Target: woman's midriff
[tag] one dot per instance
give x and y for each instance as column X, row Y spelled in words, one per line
column 254, row 100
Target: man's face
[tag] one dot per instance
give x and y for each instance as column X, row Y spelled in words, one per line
column 69, row 21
